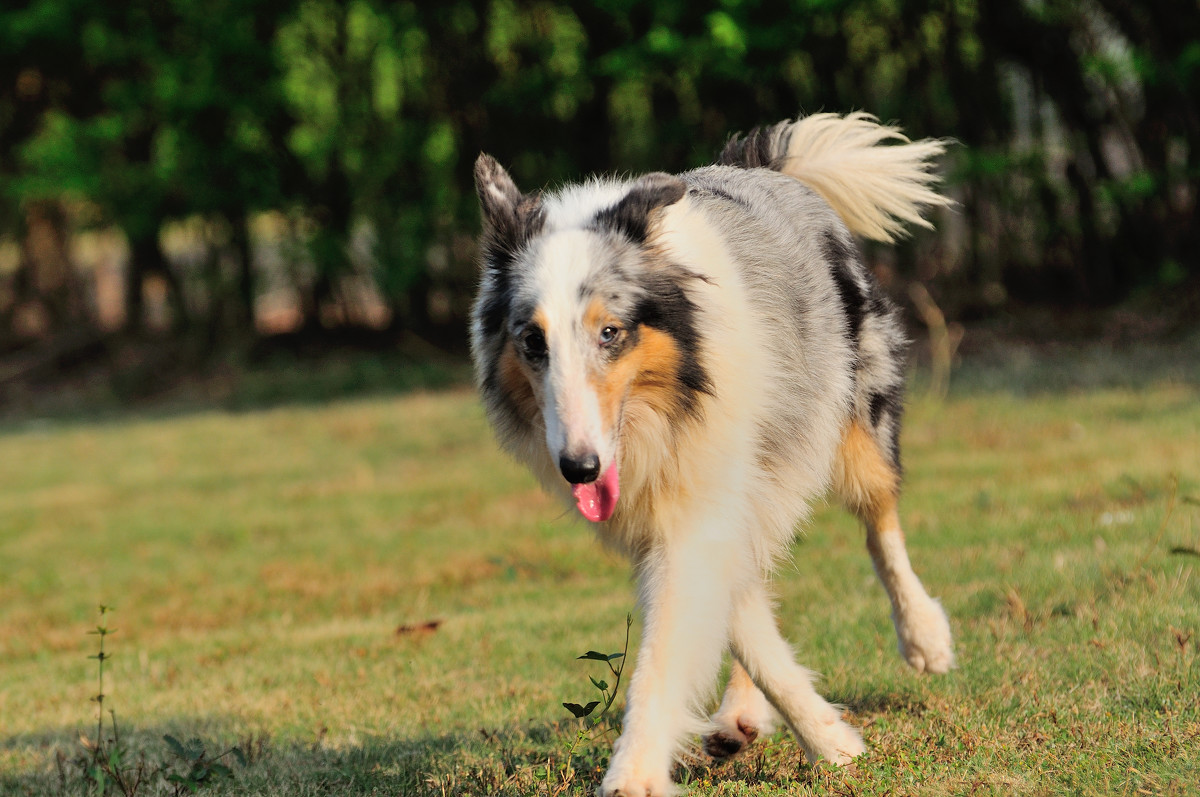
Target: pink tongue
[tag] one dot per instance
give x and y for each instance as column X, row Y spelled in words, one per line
column 596, row 501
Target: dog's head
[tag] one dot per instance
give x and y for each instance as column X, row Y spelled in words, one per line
column 583, row 325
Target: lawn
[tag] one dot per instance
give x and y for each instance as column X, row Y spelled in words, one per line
column 365, row 597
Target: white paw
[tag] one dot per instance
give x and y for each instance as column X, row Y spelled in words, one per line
column 631, row 774
column 838, row 743
column 633, row 785
column 923, row 631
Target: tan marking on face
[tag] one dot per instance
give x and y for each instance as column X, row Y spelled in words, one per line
column 658, row 360
column 865, row 478
column 541, row 321
column 514, row 381
column 611, row 382
column 596, row 317
column 646, row 373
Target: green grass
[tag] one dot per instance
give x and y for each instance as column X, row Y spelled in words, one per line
column 261, row 562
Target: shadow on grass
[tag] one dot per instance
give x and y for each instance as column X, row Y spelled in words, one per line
column 510, row 761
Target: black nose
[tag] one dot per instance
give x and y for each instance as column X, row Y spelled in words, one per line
column 580, row 470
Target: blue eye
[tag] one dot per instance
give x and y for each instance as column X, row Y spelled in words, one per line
column 608, row 335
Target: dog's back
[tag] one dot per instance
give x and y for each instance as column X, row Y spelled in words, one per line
column 784, row 202
column 835, row 340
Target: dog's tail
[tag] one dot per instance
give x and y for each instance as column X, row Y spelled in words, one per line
column 874, row 188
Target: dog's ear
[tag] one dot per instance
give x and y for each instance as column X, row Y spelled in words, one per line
column 649, row 193
column 498, row 194
column 510, row 217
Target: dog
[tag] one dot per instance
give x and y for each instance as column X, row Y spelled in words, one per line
column 691, row 361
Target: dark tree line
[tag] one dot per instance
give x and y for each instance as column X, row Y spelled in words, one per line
column 353, row 127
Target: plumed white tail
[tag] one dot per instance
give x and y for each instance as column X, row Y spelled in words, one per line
column 876, row 189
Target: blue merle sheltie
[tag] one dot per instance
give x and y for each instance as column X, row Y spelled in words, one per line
column 690, row 361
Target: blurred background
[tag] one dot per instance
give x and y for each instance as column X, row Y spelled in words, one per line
column 187, row 188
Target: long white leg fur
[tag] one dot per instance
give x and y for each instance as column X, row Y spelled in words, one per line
column 922, row 629
column 757, row 643
column 685, row 590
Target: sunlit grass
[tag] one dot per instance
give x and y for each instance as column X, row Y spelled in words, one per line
column 261, row 562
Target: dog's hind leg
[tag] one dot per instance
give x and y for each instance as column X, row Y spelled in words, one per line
column 768, row 659
column 744, row 714
column 922, row 628
column 868, row 483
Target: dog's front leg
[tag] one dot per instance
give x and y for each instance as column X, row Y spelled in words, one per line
column 685, row 588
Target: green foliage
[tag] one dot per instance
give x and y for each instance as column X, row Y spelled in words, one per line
column 200, row 769
column 558, row 780
column 606, row 696
column 363, row 118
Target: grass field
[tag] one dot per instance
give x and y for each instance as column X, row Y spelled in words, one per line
column 367, row 598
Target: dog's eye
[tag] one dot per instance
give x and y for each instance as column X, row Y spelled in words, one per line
column 608, row 335
column 534, row 344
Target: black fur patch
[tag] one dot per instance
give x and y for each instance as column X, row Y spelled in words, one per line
column 889, row 403
column 494, row 310
column 879, row 403
column 720, row 194
column 507, row 234
column 761, row 148
column 666, row 306
column 493, row 314
column 631, row 216
column 510, row 221
column 842, row 266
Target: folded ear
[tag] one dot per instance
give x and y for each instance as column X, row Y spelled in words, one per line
column 649, row 193
column 510, row 217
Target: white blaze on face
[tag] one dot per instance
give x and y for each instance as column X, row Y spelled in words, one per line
column 573, row 424
column 571, row 410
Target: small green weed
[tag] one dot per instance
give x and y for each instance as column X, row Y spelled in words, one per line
column 107, row 764
column 202, row 769
column 110, row 765
column 592, row 718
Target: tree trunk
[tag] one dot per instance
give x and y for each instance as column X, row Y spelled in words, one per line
column 240, row 226
column 145, row 259
column 44, row 292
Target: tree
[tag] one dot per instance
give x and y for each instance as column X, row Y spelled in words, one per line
column 1079, row 122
